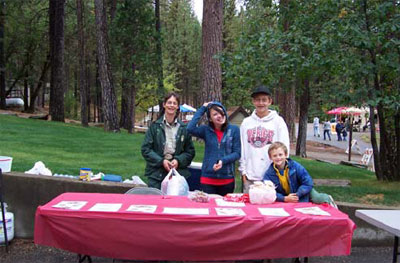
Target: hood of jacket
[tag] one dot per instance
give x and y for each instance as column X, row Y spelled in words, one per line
column 219, row 105
column 271, row 115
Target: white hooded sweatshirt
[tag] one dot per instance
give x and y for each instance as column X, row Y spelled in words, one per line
column 256, row 135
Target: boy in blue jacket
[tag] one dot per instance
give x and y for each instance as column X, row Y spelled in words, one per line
column 292, row 181
column 222, row 148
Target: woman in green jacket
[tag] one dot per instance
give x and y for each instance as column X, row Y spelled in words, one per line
column 167, row 144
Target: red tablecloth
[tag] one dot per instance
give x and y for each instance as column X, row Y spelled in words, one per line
column 159, row 236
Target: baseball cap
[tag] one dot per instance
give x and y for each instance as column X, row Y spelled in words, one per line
column 261, row 89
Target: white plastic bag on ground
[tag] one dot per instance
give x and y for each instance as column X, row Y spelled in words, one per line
column 39, row 168
column 135, row 180
column 262, row 193
column 174, row 184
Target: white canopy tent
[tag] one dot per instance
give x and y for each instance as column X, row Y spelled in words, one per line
column 155, row 108
column 183, row 108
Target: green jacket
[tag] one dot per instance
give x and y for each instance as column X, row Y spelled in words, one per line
column 153, row 150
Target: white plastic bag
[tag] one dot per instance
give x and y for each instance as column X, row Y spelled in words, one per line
column 135, row 180
column 39, row 168
column 174, row 184
column 262, row 193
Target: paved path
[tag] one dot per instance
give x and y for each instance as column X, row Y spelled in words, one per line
column 334, row 150
column 334, row 142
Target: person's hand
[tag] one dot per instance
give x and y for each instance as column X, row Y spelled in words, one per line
column 206, row 103
column 244, row 178
column 217, row 166
column 174, row 163
column 291, row 198
column 167, row 165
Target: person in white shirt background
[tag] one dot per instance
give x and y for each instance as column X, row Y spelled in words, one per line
column 316, row 127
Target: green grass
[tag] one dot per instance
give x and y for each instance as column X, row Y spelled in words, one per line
column 65, row 148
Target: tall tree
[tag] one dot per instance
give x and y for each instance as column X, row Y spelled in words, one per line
column 2, row 61
column 213, row 18
column 56, row 37
column 134, row 51
column 287, row 93
column 105, row 76
column 160, row 77
column 82, row 64
column 182, row 49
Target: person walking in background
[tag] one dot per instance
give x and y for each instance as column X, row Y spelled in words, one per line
column 338, row 129
column 222, row 148
column 344, row 133
column 316, row 126
column 327, row 130
column 167, row 144
column 258, row 132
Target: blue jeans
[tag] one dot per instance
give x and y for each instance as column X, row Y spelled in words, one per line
column 327, row 132
column 218, row 189
column 316, row 131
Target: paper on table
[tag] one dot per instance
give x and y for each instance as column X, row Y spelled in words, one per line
column 222, row 202
column 105, row 207
column 142, row 208
column 73, row 205
column 314, row 210
column 229, row 211
column 266, row 211
column 186, row 211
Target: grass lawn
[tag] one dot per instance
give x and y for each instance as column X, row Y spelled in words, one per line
column 65, row 148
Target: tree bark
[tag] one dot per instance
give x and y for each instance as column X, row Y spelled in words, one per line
column 213, row 17
column 287, row 93
column 160, row 75
column 301, row 145
column 39, row 85
column 105, row 76
column 2, row 61
column 57, row 82
column 82, row 65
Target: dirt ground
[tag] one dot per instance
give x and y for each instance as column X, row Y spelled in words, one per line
column 25, row 251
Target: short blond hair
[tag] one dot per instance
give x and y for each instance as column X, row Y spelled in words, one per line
column 277, row 145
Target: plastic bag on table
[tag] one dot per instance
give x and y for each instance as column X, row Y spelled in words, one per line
column 174, row 184
column 199, row 196
column 262, row 193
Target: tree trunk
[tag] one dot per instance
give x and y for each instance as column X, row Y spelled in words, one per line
column 213, row 11
column 301, row 145
column 35, row 91
column 109, row 98
column 124, row 104
column 56, row 36
column 287, row 97
column 26, row 92
column 160, row 76
column 2, row 62
column 82, row 65
column 88, row 87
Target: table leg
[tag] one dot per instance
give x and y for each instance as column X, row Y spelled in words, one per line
column 83, row 258
column 395, row 249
